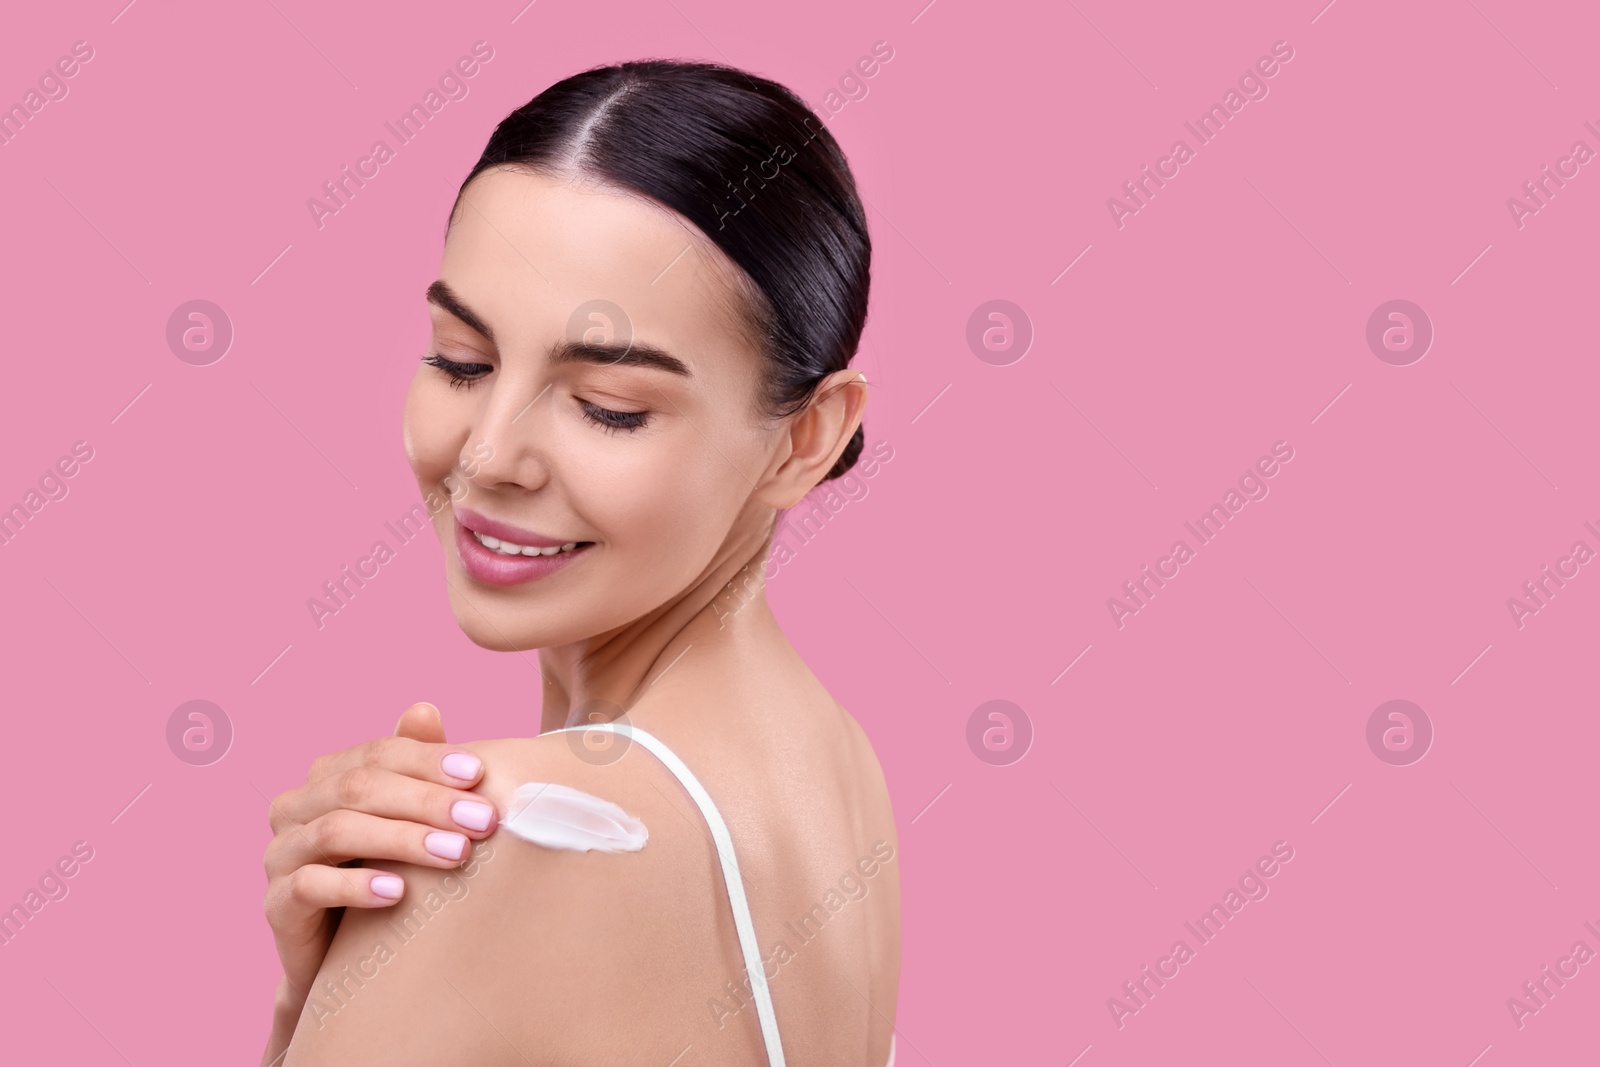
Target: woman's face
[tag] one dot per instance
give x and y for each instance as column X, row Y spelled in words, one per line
column 539, row 274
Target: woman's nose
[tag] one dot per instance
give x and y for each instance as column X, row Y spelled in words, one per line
column 505, row 445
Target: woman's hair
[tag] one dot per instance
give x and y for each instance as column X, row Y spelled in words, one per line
column 746, row 161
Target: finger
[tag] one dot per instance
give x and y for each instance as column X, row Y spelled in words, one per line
column 344, row 834
column 297, row 908
column 389, row 795
column 421, row 722
column 315, row 887
column 429, row 761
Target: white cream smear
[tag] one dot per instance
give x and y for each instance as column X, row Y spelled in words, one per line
column 558, row 816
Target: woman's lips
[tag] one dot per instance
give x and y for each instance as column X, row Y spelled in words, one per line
column 505, row 531
column 496, row 568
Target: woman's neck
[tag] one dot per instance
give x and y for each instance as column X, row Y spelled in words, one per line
column 599, row 678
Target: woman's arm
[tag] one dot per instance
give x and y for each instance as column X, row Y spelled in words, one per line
column 285, row 1015
column 384, row 800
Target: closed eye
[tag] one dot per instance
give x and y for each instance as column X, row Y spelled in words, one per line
column 613, row 421
column 461, row 375
column 464, row 375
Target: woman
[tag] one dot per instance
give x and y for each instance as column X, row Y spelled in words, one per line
column 652, row 285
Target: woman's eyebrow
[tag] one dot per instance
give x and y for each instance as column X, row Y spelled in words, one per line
column 633, row 354
column 445, row 297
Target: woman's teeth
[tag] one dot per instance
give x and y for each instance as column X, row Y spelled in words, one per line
column 506, row 548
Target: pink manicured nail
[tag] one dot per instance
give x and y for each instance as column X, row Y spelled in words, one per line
column 388, row 886
column 445, row 845
column 471, row 814
column 461, row 765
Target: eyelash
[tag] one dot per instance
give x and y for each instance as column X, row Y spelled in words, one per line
column 461, row 377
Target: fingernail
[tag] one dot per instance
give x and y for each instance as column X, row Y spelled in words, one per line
column 461, row 765
column 445, row 845
column 388, row 886
column 471, row 814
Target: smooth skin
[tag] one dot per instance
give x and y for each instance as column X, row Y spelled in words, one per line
column 531, row 956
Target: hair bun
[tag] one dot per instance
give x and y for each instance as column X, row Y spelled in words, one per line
column 848, row 457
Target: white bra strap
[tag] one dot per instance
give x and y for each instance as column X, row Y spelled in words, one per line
column 730, row 875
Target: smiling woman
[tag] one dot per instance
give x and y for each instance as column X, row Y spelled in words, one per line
column 634, row 472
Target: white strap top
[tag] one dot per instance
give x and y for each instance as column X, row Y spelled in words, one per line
column 730, row 877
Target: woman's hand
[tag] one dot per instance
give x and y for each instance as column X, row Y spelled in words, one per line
column 404, row 797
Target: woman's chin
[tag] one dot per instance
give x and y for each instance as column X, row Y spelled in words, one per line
column 494, row 639
column 482, row 628
column 496, row 642
column 493, row 634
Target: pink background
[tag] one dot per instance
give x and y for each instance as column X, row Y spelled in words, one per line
column 1227, row 314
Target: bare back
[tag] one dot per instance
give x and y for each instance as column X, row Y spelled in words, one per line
column 529, row 955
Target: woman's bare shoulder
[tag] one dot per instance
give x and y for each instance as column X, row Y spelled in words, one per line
column 527, row 954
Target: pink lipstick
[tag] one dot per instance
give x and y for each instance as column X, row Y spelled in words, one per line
column 505, row 559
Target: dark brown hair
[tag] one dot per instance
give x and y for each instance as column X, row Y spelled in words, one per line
column 748, row 163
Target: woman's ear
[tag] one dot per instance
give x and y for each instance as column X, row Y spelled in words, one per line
column 816, row 437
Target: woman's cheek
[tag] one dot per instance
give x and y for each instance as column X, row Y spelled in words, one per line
column 414, row 424
column 427, row 430
column 651, row 494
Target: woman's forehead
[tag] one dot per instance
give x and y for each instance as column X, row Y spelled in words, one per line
column 528, row 250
